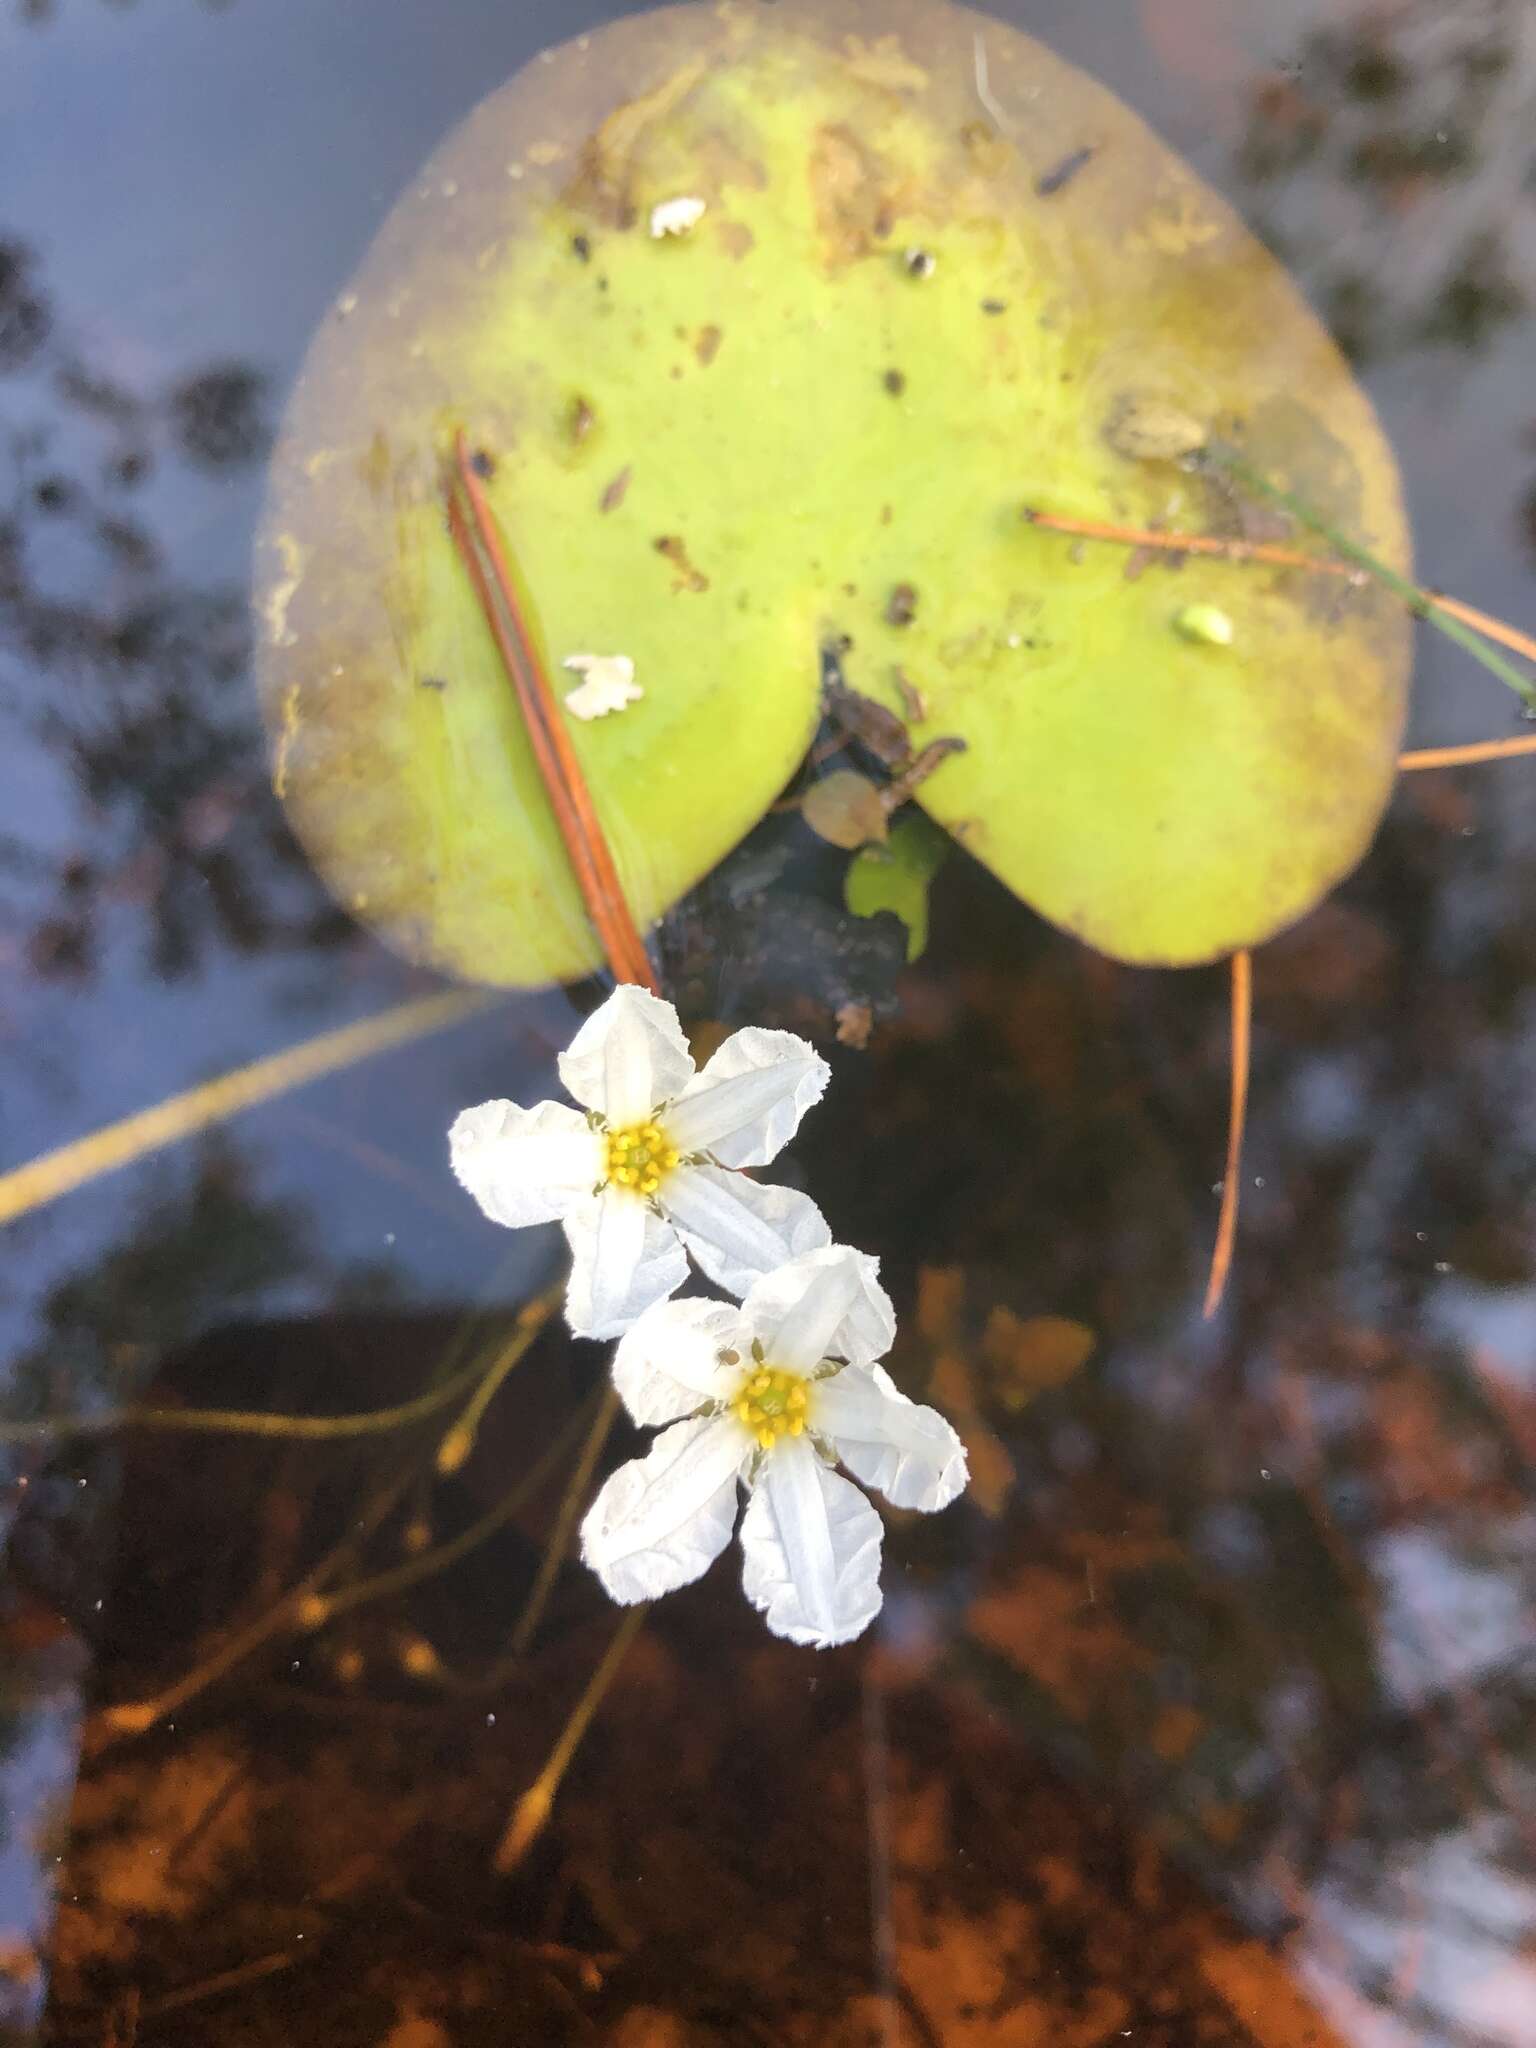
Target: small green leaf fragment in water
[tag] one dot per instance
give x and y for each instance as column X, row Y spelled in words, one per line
column 896, row 877
column 1206, row 623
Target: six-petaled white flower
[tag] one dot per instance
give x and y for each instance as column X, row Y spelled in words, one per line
column 770, row 1395
column 648, row 1165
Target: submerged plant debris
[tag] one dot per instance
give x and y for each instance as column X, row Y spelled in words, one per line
column 812, row 414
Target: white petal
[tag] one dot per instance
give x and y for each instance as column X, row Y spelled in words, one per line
column 525, row 1165
column 747, row 1104
column 811, row 1545
column 669, row 1361
column 828, row 1304
column 736, row 1228
column 909, row 1452
column 624, row 1259
column 662, row 1520
column 628, row 1056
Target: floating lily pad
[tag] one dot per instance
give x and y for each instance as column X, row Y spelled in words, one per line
column 939, row 275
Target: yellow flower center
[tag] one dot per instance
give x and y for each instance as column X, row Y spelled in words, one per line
column 772, row 1403
column 640, row 1157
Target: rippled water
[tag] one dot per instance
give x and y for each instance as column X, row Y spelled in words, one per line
column 1208, row 1719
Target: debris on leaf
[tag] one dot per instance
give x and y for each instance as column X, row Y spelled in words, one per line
column 865, row 719
column 920, row 767
column 1205, row 623
column 1147, row 429
column 675, row 549
column 613, row 496
column 845, row 808
column 1061, row 175
column 913, row 702
column 901, row 605
column 676, row 216
column 608, row 684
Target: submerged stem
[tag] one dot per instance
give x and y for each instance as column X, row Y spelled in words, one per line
column 1226, row 1229
column 44, row 1179
column 528, row 1817
column 560, row 1534
column 259, row 1422
column 324, row 1608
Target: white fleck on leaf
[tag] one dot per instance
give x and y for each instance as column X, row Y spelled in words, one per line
column 675, row 216
column 609, row 684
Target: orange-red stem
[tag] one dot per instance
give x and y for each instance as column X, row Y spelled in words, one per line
column 1226, row 1229
column 1464, row 757
column 479, row 543
column 1278, row 557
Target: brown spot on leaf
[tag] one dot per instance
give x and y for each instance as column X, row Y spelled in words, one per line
column 851, row 192
column 913, row 702
column 674, row 548
column 901, row 605
column 613, row 496
column 580, row 420
column 604, row 180
column 707, row 346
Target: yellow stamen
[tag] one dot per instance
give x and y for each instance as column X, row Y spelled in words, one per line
column 640, row 1157
column 772, row 1404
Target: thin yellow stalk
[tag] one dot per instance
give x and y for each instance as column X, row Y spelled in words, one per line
column 532, row 1811
column 43, row 1180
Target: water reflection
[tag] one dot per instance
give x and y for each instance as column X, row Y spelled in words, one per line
column 132, row 684
column 1210, row 1720
column 1389, row 162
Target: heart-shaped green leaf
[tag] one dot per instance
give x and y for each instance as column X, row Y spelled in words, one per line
column 938, row 275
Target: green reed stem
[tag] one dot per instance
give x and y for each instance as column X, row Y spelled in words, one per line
column 1419, row 601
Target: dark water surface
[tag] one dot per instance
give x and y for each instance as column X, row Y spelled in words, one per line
column 1208, row 1717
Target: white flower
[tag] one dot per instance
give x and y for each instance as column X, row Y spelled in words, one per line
column 676, row 216
column 644, row 1168
column 609, row 684
column 772, row 1395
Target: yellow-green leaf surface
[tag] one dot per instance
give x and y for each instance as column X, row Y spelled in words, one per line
column 910, row 306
